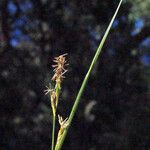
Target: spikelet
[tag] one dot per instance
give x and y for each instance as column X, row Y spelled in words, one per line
column 59, row 68
column 63, row 125
column 53, row 98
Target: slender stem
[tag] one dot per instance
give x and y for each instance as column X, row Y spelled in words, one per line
column 74, row 108
column 53, row 132
column 57, row 91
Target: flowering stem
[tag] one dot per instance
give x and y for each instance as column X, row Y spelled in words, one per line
column 53, row 131
column 57, row 91
column 74, row 108
column 59, row 71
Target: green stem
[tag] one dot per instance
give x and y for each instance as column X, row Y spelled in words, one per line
column 53, row 132
column 74, row 108
column 57, row 90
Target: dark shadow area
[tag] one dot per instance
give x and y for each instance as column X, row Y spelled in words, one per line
column 114, row 113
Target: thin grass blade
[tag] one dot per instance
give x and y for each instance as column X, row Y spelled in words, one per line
column 99, row 49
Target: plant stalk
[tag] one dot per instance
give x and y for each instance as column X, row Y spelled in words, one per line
column 53, row 132
column 57, row 91
column 74, row 108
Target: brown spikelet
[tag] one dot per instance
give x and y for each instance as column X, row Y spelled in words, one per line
column 59, row 68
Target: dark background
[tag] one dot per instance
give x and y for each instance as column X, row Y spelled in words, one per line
column 114, row 112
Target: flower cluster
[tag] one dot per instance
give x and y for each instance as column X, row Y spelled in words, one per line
column 63, row 125
column 52, row 98
column 59, row 71
column 59, row 68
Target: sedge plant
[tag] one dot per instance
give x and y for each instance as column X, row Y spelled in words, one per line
column 54, row 93
column 59, row 71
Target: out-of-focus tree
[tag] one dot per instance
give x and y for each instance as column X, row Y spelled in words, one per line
column 140, row 9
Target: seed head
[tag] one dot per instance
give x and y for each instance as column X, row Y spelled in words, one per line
column 63, row 125
column 59, row 68
column 52, row 97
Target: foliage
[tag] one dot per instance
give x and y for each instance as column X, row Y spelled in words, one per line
column 139, row 9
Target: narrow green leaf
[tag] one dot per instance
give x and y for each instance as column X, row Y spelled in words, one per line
column 74, row 108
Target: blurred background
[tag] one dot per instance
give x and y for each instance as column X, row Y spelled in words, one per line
column 114, row 113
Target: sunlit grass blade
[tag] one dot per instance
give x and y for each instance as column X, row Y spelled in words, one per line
column 99, row 49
